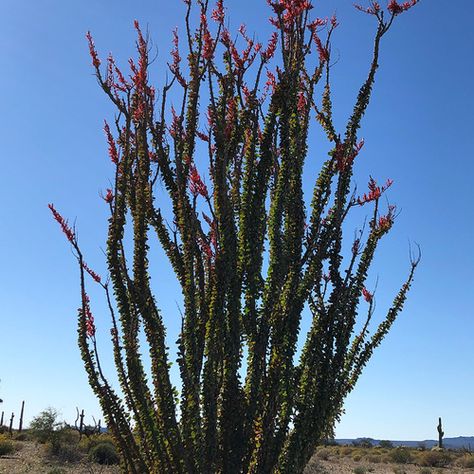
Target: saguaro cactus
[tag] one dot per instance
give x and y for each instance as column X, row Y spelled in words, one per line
column 20, row 426
column 10, row 428
column 248, row 248
column 440, row 434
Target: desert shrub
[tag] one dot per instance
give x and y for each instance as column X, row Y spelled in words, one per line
column 399, row 470
column 62, row 451
column 435, row 459
column 314, row 467
column 323, row 453
column 346, row 450
column 23, row 437
column 68, row 435
column 466, row 461
column 6, row 446
column 87, row 443
column 374, row 458
column 386, row 444
column 104, row 453
column 357, row 457
column 425, row 470
column 363, row 443
column 400, row 456
column 361, row 470
column 44, row 425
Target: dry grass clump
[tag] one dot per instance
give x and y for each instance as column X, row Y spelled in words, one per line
column 466, row 461
column 323, row 453
column 434, row 459
column 7, row 446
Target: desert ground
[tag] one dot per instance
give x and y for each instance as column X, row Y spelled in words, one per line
column 30, row 456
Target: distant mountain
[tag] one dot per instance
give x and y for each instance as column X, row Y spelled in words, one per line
column 466, row 442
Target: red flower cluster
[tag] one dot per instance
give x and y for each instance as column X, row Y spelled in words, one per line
column 356, row 246
column 206, row 248
column 174, row 67
column 393, row 7
column 386, row 222
column 92, row 273
column 213, row 232
column 302, row 102
column 344, row 161
column 396, row 8
column 367, row 295
column 246, row 59
column 374, row 191
column 113, row 153
column 109, row 197
column 372, row 10
column 271, row 82
column 90, row 327
column 218, row 13
column 140, row 73
column 68, row 232
column 176, row 124
column 92, row 50
column 196, row 185
column 208, row 42
column 290, row 10
column 271, row 47
column 202, row 136
column 122, row 85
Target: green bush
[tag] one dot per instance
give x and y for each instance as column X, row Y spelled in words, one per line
column 87, row 443
column 45, row 424
column 104, row 453
column 386, row 444
column 363, row 443
column 400, row 456
column 360, row 470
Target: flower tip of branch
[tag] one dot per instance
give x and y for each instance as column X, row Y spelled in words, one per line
column 67, row 230
column 367, row 295
column 92, row 51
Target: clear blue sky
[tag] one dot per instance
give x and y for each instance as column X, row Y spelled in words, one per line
column 418, row 131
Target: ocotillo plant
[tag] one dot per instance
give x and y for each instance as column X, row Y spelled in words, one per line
column 249, row 250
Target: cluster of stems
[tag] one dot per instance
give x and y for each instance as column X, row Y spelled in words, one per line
column 251, row 252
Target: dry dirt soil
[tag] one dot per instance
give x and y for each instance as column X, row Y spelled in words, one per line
column 31, row 459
